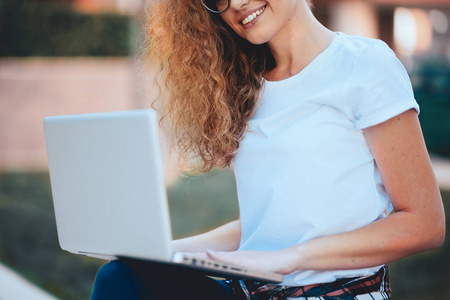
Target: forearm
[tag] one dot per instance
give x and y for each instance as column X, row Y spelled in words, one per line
column 398, row 235
column 224, row 238
column 383, row 241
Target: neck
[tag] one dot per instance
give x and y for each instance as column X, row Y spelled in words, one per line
column 298, row 43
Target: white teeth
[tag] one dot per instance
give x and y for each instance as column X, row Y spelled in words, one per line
column 252, row 16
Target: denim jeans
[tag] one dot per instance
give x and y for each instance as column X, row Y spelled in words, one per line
column 142, row 280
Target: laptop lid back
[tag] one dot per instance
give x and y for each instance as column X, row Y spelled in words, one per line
column 107, row 182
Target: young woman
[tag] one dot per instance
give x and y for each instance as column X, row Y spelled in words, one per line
column 322, row 131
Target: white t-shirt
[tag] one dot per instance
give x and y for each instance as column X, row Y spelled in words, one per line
column 304, row 169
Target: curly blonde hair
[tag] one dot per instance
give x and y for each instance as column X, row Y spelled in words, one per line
column 210, row 79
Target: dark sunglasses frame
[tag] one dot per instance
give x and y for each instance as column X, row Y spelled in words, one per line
column 215, row 11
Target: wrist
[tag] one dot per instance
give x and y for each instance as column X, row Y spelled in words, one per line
column 293, row 259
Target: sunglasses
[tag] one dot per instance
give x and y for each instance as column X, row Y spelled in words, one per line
column 216, row 6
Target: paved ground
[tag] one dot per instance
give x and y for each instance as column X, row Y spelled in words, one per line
column 14, row 287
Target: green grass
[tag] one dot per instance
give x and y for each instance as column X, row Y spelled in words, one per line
column 203, row 202
column 29, row 244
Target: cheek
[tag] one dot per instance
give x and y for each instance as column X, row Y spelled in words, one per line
column 222, row 5
column 232, row 25
column 226, row 18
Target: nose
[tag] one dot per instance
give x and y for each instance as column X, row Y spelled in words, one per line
column 238, row 4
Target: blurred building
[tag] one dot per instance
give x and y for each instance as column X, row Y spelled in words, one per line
column 410, row 27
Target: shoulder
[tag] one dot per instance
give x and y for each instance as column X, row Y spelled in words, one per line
column 362, row 47
column 368, row 58
column 379, row 86
column 358, row 52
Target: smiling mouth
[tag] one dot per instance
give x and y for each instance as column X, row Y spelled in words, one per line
column 253, row 16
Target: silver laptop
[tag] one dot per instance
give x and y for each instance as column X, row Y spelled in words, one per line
column 109, row 195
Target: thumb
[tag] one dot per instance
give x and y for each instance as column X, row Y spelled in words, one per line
column 224, row 257
column 212, row 254
column 218, row 256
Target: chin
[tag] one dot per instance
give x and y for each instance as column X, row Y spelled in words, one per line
column 257, row 40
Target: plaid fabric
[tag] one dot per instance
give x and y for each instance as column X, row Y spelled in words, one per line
column 369, row 287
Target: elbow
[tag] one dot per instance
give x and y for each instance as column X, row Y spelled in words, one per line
column 440, row 228
column 434, row 225
column 440, row 234
column 436, row 234
column 426, row 234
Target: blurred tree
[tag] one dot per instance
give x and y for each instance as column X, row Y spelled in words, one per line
column 50, row 28
column 40, row 1
column 431, row 81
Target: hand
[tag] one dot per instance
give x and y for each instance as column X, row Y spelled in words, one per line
column 281, row 261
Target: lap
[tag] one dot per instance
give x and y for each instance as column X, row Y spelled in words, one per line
column 142, row 280
column 135, row 280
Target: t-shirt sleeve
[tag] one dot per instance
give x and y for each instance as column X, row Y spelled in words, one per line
column 380, row 88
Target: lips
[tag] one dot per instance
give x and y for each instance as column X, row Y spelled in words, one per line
column 249, row 18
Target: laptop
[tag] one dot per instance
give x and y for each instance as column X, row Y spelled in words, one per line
column 109, row 195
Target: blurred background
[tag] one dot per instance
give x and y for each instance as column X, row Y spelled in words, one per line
column 78, row 56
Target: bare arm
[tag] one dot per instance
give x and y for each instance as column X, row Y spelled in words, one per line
column 224, row 238
column 418, row 223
